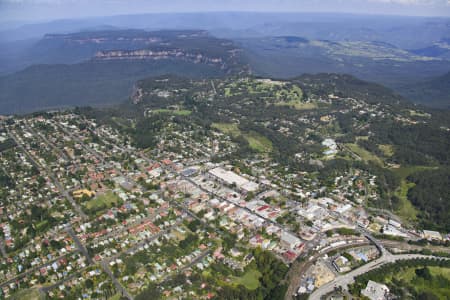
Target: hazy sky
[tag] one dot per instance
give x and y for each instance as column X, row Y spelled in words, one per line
column 33, row 10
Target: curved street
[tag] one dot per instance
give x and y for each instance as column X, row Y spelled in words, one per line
column 346, row 279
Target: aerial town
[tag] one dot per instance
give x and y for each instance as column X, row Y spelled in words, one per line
column 86, row 215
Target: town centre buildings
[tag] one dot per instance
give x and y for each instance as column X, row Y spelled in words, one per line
column 230, row 178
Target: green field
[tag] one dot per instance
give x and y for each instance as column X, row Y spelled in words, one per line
column 103, row 201
column 258, row 142
column 421, row 285
column 177, row 112
column 41, row 225
column 406, row 210
column 416, row 113
column 362, row 138
column 228, row 128
column 255, row 140
column 116, row 297
column 364, row 154
column 28, row 294
column 388, row 150
column 298, row 105
column 249, row 280
column 404, row 172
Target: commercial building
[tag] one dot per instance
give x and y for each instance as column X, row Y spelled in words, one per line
column 232, row 178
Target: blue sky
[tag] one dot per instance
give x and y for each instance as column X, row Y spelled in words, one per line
column 33, row 10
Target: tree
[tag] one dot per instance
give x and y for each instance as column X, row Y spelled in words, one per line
column 151, row 292
column 89, row 283
column 427, row 296
column 424, row 273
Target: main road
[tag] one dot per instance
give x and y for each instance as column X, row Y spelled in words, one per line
column 346, row 279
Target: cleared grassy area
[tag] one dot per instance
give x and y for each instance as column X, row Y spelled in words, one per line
column 250, row 280
column 415, row 113
column 123, row 123
column 177, row 112
column 388, row 150
column 294, row 94
column 255, row 140
column 422, row 285
column 116, row 297
column 228, row 128
column 258, row 142
column 404, row 172
column 440, row 271
column 364, row 154
column 41, row 225
column 28, row 294
column 362, row 137
column 103, row 201
column 406, row 211
column 298, row 105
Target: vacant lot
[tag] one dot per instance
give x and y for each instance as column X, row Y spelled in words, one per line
column 177, row 112
column 250, row 280
column 228, row 128
column 298, row 105
column 258, row 142
column 255, row 140
column 102, row 201
column 364, row 154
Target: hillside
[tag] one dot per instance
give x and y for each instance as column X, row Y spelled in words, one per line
column 434, row 92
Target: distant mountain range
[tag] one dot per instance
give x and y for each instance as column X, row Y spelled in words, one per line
column 381, row 62
column 79, row 47
column 111, row 63
column 404, row 32
column 93, row 61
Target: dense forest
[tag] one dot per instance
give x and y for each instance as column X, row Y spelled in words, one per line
column 431, row 196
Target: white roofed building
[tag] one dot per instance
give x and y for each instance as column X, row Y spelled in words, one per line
column 230, row 178
column 376, row 291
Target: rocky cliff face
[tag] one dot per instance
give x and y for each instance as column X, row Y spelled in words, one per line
column 190, row 46
column 229, row 60
column 158, row 55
